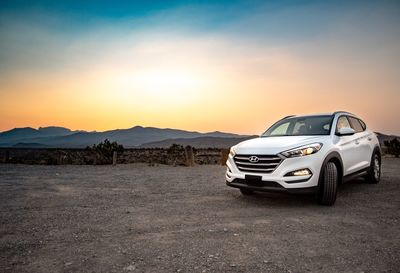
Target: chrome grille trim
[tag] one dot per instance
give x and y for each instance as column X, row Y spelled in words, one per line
column 257, row 164
column 256, row 170
column 241, row 157
column 265, row 163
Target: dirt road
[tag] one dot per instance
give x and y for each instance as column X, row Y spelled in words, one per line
column 135, row 218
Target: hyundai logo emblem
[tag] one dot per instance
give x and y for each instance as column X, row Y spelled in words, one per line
column 253, row 159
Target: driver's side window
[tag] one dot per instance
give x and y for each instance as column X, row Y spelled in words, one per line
column 342, row 122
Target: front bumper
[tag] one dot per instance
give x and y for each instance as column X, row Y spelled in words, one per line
column 270, row 187
column 276, row 180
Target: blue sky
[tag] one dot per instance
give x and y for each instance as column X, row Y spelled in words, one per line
column 211, row 13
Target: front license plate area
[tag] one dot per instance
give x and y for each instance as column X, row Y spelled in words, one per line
column 253, row 179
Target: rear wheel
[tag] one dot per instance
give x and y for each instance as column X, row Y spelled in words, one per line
column 246, row 191
column 328, row 185
column 374, row 173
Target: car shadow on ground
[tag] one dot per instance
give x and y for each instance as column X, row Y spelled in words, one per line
column 277, row 199
column 299, row 200
column 354, row 185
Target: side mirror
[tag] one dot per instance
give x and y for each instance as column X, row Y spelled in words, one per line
column 346, row 131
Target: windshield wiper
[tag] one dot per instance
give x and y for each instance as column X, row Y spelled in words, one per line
column 277, row 135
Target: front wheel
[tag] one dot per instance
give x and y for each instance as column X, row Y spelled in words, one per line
column 328, row 185
column 374, row 173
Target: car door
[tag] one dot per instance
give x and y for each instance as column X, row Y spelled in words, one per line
column 362, row 140
column 348, row 146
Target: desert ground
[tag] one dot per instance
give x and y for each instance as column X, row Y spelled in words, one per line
column 136, row 218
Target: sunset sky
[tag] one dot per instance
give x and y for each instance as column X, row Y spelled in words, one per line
column 234, row 66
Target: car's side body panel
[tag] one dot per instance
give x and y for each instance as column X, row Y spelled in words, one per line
column 356, row 150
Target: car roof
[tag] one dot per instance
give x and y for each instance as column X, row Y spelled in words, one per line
column 321, row 114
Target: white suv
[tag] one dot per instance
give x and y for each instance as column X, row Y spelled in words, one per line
column 306, row 154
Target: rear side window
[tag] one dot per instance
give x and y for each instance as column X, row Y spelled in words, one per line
column 364, row 126
column 356, row 124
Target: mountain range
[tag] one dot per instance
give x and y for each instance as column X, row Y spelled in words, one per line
column 59, row 137
column 138, row 136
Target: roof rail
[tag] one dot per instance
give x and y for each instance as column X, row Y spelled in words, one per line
column 344, row 112
column 288, row 117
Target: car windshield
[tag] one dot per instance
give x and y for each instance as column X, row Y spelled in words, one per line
column 301, row 126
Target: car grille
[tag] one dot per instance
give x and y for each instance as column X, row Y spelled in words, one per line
column 265, row 163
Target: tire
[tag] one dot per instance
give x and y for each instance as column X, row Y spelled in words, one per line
column 328, row 185
column 374, row 173
column 246, row 191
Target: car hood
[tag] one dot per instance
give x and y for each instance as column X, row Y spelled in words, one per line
column 275, row 145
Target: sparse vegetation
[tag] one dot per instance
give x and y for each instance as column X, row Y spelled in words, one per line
column 104, row 151
column 393, row 147
column 175, row 148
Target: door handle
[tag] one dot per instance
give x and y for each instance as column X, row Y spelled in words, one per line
column 369, row 138
column 357, row 142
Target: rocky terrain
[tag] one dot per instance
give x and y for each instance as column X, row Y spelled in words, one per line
column 136, row 218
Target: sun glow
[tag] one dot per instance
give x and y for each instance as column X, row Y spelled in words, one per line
column 176, row 69
column 156, row 86
column 159, row 81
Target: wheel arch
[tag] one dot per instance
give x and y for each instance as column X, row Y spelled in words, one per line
column 377, row 150
column 335, row 158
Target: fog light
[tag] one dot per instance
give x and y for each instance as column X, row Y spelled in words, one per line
column 301, row 172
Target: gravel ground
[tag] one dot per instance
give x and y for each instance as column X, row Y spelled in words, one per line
column 135, row 218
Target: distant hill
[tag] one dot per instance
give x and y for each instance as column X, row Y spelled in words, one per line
column 30, row 145
column 198, row 142
column 24, row 135
column 55, row 131
column 382, row 138
column 59, row 137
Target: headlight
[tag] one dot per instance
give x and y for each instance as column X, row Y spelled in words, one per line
column 232, row 152
column 303, row 151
